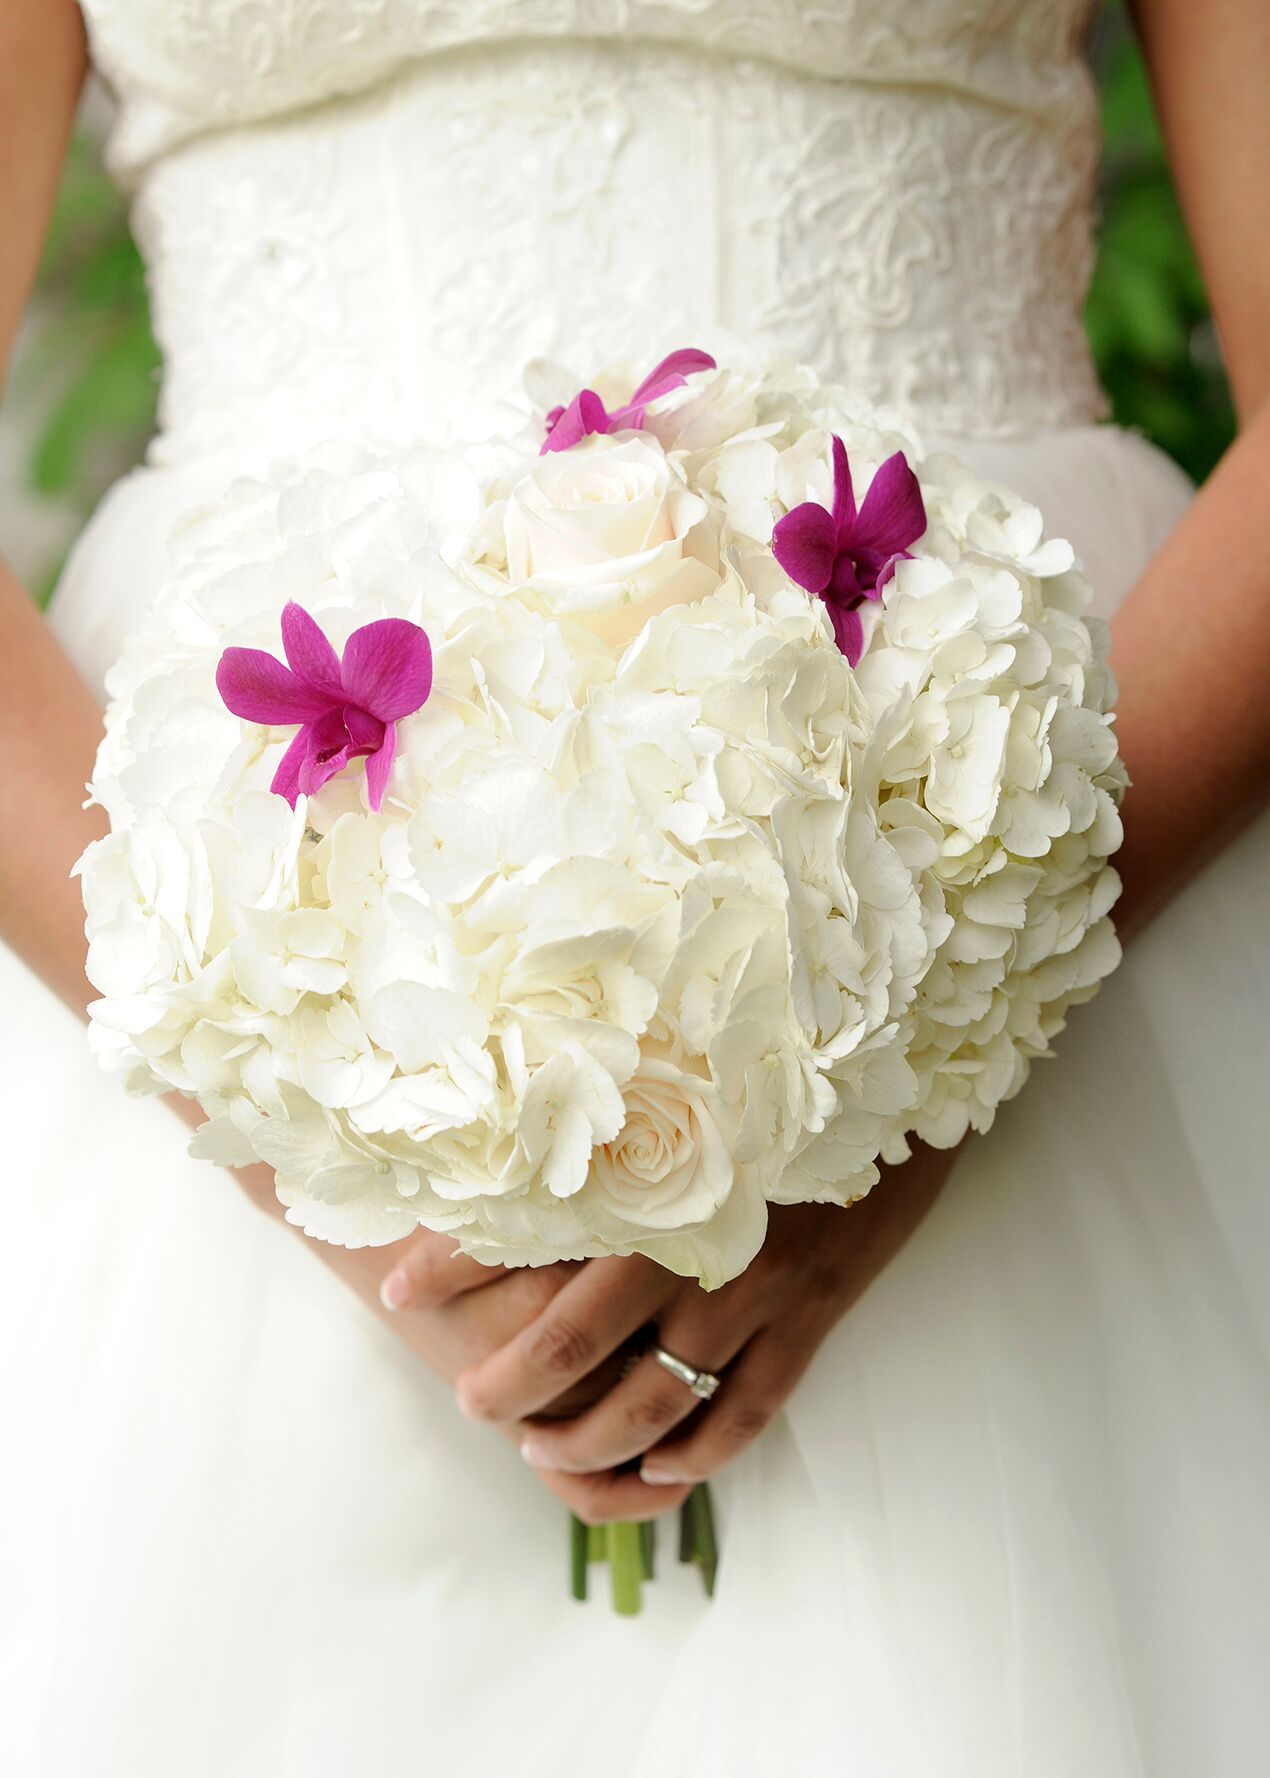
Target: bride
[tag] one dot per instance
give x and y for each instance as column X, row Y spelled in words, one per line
column 992, row 1452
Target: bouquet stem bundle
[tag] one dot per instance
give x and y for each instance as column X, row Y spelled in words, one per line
column 629, row 1548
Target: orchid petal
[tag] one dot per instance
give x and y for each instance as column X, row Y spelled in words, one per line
column 322, row 768
column 255, row 686
column 310, row 653
column 378, row 766
column 365, row 732
column 887, row 571
column 847, row 587
column 804, row 543
column 585, row 414
column 893, row 515
column 848, row 632
column 286, row 780
column 327, row 750
column 328, row 740
column 387, row 668
column 671, row 373
column 844, row 510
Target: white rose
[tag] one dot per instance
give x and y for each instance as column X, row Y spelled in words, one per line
column 670, row 1165
column 603, row 533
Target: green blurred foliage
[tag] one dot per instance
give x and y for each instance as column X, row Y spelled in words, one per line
column 90, row 362
column 1147, row 315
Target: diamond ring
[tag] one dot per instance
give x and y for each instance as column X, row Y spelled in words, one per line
column 702, row 1383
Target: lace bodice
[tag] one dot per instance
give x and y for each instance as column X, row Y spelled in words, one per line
column 374, row 211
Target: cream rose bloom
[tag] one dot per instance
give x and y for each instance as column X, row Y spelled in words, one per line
column 670, row 1165
column 604, row 533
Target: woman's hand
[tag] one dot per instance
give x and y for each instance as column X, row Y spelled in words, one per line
column 464, row 1311
column 759, row 1332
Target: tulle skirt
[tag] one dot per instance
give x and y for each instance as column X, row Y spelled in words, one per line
column 1013, row 1523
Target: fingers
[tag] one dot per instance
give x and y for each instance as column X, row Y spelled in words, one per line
column 432, row 1270
column 597, row 1499
column 642, row 1407
column 751, row 1393
column 597, row 1310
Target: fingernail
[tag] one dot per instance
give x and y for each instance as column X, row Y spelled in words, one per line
column 657, row 1478
column 536, row 1456
column 394, row 1292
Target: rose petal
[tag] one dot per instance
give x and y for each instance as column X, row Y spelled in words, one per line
column 255, row 686
column 387, row 668
column 804, row 543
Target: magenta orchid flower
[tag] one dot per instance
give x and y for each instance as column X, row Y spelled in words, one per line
column 845, row 557
column 347, row 709
column 586, row 413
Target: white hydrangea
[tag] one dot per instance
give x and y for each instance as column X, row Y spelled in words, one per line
column 667, row 914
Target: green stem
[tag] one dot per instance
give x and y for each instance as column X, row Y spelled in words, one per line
column 626, row 1566
column 685, row 1533
column 578, row 1553
column 648, row 1546
column 699, row 1535
column 629, row 1550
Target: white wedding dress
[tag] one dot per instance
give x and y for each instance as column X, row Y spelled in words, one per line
column 1014, row 1523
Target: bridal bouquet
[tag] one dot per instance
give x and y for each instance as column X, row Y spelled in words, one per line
column 578, row 842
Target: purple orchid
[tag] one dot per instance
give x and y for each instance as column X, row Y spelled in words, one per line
column 586, row 413
column 347, row 709
column 845, row 557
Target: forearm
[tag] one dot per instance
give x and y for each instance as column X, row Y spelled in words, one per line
column 50, row 725
column 1191, row 649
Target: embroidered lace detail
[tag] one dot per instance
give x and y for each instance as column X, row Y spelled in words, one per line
column 897, row 192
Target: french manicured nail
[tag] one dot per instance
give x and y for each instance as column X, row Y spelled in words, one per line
column 657, row 1478
column 394, row 1292
column 536, row 1456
